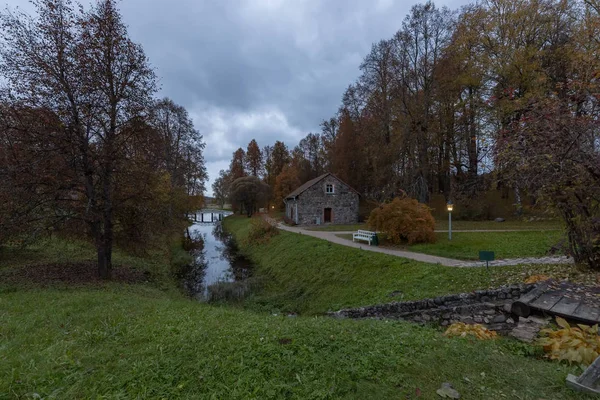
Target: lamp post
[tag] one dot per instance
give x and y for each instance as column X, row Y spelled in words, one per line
column 450, row 207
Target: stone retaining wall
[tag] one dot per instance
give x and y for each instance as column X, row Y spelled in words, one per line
column 488, row 307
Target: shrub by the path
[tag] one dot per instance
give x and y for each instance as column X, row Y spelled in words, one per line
column 404, row 220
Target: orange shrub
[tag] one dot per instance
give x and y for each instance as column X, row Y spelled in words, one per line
column 404, row 220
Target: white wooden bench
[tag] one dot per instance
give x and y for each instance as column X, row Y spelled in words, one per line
column 367, row 236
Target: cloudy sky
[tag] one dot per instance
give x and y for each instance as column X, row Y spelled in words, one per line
column 264, row 69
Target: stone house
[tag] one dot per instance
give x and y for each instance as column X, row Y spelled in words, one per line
column 323, row 200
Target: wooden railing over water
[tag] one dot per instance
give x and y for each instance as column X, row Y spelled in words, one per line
column 202, row 217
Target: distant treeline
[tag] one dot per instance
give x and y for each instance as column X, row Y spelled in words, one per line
column 499, row 94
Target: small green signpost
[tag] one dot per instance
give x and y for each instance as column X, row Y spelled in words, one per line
column 486, row 256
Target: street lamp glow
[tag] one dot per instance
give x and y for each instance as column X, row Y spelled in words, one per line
column 450, row 207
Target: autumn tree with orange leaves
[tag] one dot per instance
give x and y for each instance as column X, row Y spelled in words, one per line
column 80, row 88
column 254, row 159
column 287, row 181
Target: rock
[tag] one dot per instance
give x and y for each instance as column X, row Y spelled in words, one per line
column 489, row 312
column 543, row 321
column 448, row 392
column 426, row 318
column 528, row 328
column 464, row 311
column 486, row 320
column 499, row 318
column 499, row 220
column 444, row 323
column 396, row 293
column 478, row 319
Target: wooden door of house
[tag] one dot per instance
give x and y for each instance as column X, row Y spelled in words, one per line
column 327, row 215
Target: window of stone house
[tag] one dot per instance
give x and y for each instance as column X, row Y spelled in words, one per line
column 329, row 188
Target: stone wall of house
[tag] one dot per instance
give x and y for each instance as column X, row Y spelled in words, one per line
column 313, row 202
column 487, row 307
column 290, row 209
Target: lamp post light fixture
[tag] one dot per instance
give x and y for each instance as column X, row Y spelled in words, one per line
column 450, row 208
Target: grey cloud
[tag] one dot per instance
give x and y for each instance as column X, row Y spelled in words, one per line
column 264, row 69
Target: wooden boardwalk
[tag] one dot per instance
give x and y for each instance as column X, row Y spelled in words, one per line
column 564, row 299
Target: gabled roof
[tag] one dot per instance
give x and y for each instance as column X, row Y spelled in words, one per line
column 313, row 182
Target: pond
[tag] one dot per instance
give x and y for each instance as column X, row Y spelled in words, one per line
column 219, row 272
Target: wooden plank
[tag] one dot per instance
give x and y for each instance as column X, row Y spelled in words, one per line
column 591, row 375
column 565, row 306
column 588, row 381
column 521, row 306
column 546, row 301
column 587, row 313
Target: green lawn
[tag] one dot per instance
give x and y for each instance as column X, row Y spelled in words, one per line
column 466, row 245
column 147, row 341
column 310, row 275
column 48, row 250
column 442, row 225
column 136, row 342
column 58, row 251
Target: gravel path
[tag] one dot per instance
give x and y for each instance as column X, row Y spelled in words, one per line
column 448, row 262
column 444, row 231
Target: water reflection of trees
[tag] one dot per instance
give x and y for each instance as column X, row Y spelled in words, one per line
column 193, row 274
column 241, row 267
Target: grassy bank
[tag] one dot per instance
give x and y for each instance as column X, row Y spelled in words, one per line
column 145, row 340
column 137, row 342
column 308, row 275
column 51, row 260
column 466, row 245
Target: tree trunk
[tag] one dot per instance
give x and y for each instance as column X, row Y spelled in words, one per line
column 104, row 259
column 518, row 201
column 473, row 152
column 105, row 248
column 105, row 244
column 424, row 167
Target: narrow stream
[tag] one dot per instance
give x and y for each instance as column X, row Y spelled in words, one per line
column 219, row 270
